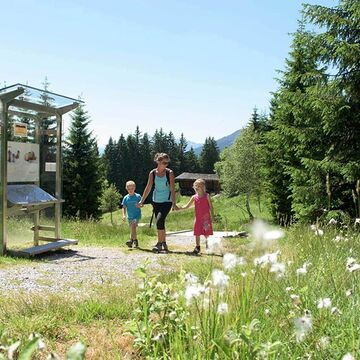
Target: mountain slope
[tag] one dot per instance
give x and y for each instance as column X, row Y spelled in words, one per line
column 223, row 142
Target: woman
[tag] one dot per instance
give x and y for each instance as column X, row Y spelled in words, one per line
column 162, row 181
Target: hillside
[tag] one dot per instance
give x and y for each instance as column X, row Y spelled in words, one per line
column 223, row 142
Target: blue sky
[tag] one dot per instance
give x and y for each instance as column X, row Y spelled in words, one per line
column 192, row 66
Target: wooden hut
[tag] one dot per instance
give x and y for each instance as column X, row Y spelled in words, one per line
column 186, row 181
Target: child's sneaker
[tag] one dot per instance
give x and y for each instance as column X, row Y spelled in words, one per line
column 129, row 243
column 165, row 247
column 136, row 244
column 157, row 248
column 196, row 251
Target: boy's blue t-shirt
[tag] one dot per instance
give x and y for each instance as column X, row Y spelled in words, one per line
column 130, row 201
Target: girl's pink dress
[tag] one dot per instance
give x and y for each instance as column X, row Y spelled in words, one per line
column 202, row 225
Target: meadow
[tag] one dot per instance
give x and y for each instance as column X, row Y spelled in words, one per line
column 278, row 294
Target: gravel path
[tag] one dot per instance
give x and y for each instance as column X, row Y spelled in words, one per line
column 78, row 269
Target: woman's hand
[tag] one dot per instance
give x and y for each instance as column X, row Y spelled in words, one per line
column 139, row 204
column 175, row 207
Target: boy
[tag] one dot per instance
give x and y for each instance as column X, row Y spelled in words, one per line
column 133, row 212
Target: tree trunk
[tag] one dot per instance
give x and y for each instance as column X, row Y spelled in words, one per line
column 111, row 218
column 251, row 216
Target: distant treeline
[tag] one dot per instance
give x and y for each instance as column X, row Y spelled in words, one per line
column 132, row 157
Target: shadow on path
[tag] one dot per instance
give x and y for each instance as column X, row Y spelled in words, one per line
column 176, row 252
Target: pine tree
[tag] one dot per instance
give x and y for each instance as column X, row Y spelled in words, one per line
column 339, row 103
column 110, row 161
column 294, row 140
column 173, row 152
column 182, row 145
column 210, row 154
column 82, row 169
column 123, row 166
column 147, row 162
column 191, row 162
column 159, row 141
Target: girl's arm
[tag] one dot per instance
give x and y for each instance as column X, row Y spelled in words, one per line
column 190, row 202
column 146, row 190
column 211, row 207
column 172, row 190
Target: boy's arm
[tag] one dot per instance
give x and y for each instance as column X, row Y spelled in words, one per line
column 123, row 210
column 190, row 202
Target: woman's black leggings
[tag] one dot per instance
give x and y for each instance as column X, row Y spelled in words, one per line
column 161, row 211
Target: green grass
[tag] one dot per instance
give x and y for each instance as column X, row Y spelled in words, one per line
column 261, row 311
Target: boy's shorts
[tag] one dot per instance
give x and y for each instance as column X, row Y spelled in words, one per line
column 133, row 221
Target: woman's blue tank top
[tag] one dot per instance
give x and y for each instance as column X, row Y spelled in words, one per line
column 162, row 190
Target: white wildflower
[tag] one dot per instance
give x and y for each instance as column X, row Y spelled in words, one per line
column 158, row 338
column 338, row 238
column 319, row 232
column 353, row 267
column 278, row 268
column 220, row 279
column 263, row 235
column 230, row 261
column 172, row 315
column 303, row 326
column 222, row 308
column 332, row 221
column 267, row 312
column 349, row 292
column 303, row 269
column 193, row 291
column 243, row 274
column 289, row 288
column 295, row 299
column 357, row 221
column 191, row 278
column 348, row 356
column 324, row 303
column 335, row 311
column 313, row 227
column 323, row 342
column 266, row 259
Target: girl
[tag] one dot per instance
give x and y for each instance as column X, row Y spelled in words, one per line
column 161, row 180
column 203, row 213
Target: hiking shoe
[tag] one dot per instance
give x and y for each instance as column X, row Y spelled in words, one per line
column 136, row 244
column 196, row 251
column 157, row 248
column 165, row 247
column 129, row 243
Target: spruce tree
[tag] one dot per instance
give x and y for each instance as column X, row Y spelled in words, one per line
column 82, row 169
column 294, row 142
column 191, row 162
column 123, row 166
column 182, row 145
column 210, row 154
column 338, row 103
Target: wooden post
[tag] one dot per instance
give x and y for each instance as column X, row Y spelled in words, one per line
column 3, row 165
column 58, row 184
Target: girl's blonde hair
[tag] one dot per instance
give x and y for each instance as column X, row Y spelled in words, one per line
column 161, row 156
column 200, row 182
